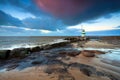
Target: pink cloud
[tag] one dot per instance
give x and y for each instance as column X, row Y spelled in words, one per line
column 64, row 8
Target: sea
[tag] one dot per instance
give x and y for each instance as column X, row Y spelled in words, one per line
column 11, row 42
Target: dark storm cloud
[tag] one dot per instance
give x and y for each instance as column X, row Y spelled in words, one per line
column 6, row 19
column 81, row 11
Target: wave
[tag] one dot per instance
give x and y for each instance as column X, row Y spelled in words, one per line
column 28, row 45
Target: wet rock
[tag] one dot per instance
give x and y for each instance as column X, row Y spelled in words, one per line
column 91, row 53
column 49, row 55
column 56, row 70
column 11, row 67
column 28, row 49
column 74, row 65
column 32, row 57
column 36, row 49
column 98, row 73
column 48, row 71
column 73, row 39
column 66, row 58
column 87, row 38
column 86, row 71
column 63, row 53
column 66, row 77
column 55, row 45
column 73, row 54
column 62, row 73
column 88, row 53
column 98, row 52
column 61, row 44
column 46, row 47
column 19, row 53
column 23, row 54
column 4, row 54
column 36, row 62
column 112, row 77
column 70, row 53
column 54, row 61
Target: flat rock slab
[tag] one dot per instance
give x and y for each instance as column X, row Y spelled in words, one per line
column 91, row 53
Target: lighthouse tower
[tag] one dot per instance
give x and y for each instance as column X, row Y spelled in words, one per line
column 83, row 33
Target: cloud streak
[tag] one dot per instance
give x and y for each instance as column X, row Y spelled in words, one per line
column 6, row 19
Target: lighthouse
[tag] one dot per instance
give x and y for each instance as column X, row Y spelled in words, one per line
column 83, row 34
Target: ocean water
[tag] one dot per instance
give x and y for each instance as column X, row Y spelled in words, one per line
column 17, row 42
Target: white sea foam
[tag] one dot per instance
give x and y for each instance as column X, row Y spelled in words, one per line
column 17, row 46
column 2, row 70
column 29, row 45
column 113, row 55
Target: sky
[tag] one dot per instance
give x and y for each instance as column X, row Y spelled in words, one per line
column 59, row 17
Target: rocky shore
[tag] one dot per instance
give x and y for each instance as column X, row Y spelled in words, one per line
column 58, row 61
column 23, row 52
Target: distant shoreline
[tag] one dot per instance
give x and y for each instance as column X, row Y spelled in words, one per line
column 48, row 38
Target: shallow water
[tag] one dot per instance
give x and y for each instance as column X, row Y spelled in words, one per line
column 112, row 55
column 2, row 70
